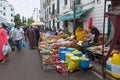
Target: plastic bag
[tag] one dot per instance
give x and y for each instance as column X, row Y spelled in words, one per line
column 5, row 49
column 24, row 44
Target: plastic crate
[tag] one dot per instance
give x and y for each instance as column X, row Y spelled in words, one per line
column 48, row 66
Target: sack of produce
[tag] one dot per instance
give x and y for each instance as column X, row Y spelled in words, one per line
column 77, row 53
column 68, row 56
column 73, row 63
column 80, row 34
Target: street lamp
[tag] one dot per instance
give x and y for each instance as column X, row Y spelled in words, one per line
column 74, row 21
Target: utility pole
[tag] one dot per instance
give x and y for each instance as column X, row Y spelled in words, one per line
column 103, row 60
column 74, row 20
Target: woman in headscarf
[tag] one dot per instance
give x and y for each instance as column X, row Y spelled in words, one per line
column 3, row 41
column 32, row 38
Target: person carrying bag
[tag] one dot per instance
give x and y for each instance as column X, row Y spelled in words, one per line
column 3, row 41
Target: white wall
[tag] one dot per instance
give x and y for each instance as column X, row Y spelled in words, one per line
column 97, row 13
column 0, row 13
column 35, row 14
column 7, row 11
column 0, row 7
column 10, row 14
column 65, row 8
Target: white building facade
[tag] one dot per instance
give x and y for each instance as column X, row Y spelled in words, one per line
column 53, row 11
column 49, row 12
column 7, row 11
column 35, row 14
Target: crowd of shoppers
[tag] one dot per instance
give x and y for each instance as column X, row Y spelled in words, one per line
column 15, row 36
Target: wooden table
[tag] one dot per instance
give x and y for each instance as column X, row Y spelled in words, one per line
column 95, row 53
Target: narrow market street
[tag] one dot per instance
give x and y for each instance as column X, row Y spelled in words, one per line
column 28, row 66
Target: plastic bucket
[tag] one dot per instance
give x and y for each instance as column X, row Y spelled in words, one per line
column 84, row 64
column 78, row 55
column 61, row 49
column 62, row 55
column 70, row 49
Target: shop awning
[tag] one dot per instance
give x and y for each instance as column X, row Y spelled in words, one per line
column 71, row 16
column 64, row 17
column 79, row 13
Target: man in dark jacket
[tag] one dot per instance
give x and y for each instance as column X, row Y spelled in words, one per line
column 96, row 34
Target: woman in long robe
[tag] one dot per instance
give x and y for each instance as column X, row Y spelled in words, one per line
column 32, row 38
column 3, row 41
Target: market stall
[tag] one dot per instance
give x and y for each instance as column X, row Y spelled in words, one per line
column 62, row 54
column 95, row 53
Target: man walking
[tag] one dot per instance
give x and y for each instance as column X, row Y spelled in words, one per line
column 18, row 36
